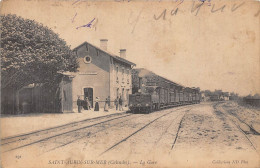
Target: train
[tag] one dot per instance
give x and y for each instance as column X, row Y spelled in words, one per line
column 151, row 92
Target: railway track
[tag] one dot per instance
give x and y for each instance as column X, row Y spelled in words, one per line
column 141, row 129
column 104, row 127
column 252, row 130
column 96, row 131
column 21, row 141
column 231, row 118
column 177, row 134
column 43, row 135
column 76, row 131
column 166, row 130
column 11, row 139
column 244, row 134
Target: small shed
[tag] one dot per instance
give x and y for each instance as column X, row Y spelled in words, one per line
column 39, row 98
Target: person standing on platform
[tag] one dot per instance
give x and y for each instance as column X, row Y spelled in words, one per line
column 86, row 103
column 120, row 104
column 79, row 103
column 89, row 105
column 96, row 104
column 108, row 98
column 116, row 102
column 106, row 105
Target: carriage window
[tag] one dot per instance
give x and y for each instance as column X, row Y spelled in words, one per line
column 140, row 82
column 157, row 90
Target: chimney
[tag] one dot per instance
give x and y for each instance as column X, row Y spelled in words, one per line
column 103, row 44
column 123, row 53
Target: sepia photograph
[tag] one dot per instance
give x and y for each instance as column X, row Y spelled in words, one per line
column 130, row 84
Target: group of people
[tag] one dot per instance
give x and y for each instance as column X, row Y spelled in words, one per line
column 87, row 106
column 119, row 103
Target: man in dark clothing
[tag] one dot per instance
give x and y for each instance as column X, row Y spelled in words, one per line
column 108, row 98
column 120, row 104
column 79, row 103
column 116, row 103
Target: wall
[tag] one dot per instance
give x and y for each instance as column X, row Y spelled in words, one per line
column 94, row 75
column 121, row 80
column 8, row 101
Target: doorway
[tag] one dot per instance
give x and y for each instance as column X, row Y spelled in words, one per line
column 26, row 100
column 88, row 92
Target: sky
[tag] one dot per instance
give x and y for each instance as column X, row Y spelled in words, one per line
column 214, row 46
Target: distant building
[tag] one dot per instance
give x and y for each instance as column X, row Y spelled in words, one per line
column 217, row 95
column 214, row 97
column 233, row 96
column 205, row 96
column 252, row 100
column 226, row 96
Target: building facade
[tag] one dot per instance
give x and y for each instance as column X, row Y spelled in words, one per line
column 101, row 74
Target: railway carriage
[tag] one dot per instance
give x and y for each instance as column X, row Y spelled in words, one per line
column 153, row 92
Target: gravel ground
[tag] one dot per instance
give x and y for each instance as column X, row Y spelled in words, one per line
column 203, row 135
column 33, row 122
column 249, row 116
column 209, row 138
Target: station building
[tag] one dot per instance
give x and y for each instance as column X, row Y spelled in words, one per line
column 101, row 74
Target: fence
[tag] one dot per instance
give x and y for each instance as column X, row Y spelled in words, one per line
column 252, row 101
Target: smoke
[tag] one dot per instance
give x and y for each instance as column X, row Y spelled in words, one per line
column 144, row 72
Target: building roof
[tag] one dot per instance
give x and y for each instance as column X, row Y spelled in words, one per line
column 110, row 54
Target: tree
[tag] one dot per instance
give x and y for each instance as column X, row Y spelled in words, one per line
column 257, row 96
column 31, row 53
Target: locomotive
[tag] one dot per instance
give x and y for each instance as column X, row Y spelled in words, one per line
column 153, row 92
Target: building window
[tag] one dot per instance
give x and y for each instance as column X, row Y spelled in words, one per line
column 117, row 92
column 117, row 73
column 97, row 52
column 123, row 95
column 87, row 59
column 128, row 76
column 127, row 95
column 123, row 75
